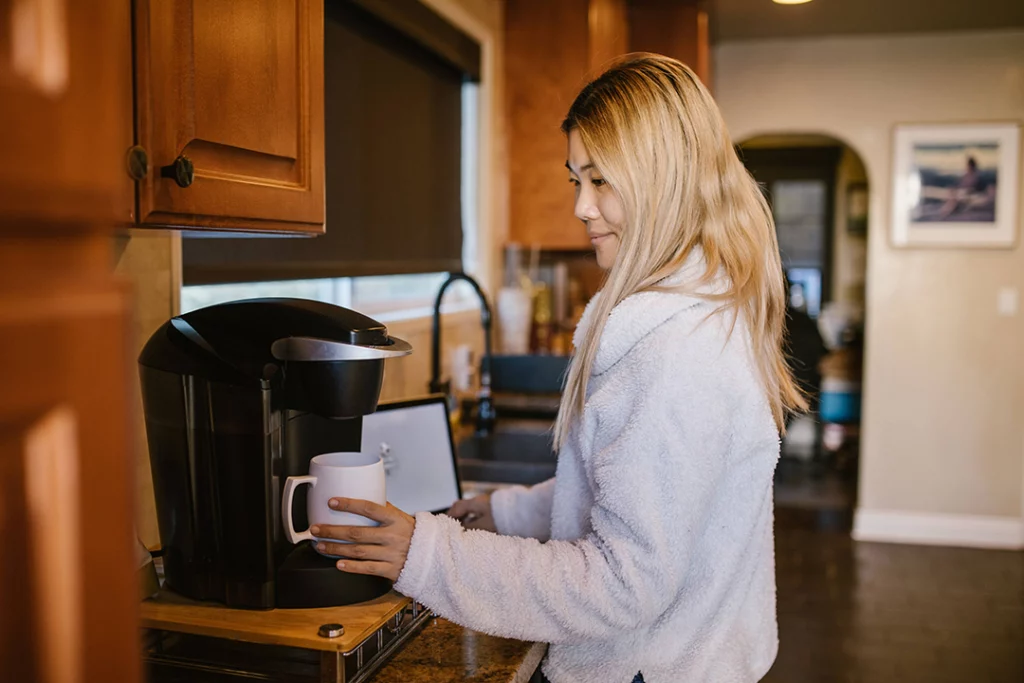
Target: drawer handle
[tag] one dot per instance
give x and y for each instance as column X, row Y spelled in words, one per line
column 182, row 171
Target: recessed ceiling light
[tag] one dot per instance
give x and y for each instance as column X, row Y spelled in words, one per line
column 790, row 2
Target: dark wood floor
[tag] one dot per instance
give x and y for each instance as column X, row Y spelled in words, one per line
column 880, row 613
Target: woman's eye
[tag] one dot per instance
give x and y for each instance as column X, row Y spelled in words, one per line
column 598, row 182
column 574, row 181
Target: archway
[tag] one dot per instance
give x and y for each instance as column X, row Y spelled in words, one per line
column 818, row 188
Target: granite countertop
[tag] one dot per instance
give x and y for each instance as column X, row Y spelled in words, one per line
column 444, row 652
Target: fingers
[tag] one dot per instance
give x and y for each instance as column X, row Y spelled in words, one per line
column 480, row 505
column 365, row 508
column 485, row 522
column 370, row 568
column 474, row 513
column 377, row 551
column 353, row 534
column 460, row 508
column 355, row 551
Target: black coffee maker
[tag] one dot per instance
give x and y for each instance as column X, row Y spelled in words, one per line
column 237, row 398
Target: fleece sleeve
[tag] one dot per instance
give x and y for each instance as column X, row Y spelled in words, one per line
column 659, row 458
column 522, row 511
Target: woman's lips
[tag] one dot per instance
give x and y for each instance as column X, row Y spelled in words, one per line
column 594, row 239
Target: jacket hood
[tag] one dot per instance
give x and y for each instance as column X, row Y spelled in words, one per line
column 639, row 314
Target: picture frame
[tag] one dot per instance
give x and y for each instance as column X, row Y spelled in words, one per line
column 857, row 209
column 955, row 185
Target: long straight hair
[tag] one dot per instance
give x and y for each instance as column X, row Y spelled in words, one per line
column 657, row 137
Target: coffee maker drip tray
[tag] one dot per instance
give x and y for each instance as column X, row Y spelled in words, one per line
column 190, row 640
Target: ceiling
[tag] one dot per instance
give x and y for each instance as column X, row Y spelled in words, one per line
column 763, row 19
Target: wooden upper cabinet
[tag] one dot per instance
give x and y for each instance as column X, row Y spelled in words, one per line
column 229, row 109
column 65, row 113
column 547, row 61
column 677, row 28
column 551, row 50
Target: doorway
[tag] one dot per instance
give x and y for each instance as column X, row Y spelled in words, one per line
column 817, row 189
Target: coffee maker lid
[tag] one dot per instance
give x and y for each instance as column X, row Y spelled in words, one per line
column 312, row 349
column 236, row 340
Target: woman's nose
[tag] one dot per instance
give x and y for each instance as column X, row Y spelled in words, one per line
column 586, row 207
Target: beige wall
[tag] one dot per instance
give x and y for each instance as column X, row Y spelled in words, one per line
column 944, row 378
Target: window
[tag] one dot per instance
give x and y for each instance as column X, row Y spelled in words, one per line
column 805, row 290
column 802, row 220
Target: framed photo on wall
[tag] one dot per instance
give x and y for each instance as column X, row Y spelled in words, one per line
column 857, row 209
column 956, row 185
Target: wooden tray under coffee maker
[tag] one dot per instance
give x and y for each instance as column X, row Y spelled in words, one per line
column 187, row 634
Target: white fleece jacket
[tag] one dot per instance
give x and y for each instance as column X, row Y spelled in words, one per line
column 652, row 549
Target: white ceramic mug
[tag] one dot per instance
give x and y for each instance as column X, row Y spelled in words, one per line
column 334, row 475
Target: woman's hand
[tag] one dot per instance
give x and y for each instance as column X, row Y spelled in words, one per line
column 375, row 550
column 474, row 513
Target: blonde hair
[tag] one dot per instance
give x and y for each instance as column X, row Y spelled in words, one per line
column 656, row 135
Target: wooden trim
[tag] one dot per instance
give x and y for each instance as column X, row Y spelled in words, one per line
column 264, row 272
column 167, row 220
column 422, row 24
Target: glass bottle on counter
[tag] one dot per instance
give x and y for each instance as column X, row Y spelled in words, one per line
column 540, row 339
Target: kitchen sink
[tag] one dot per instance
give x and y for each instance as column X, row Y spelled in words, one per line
column 513, row 455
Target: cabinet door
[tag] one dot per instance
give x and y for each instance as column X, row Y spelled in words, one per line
column 547, row 59
column 229, row 108
column 68, row 598
column 65, row 117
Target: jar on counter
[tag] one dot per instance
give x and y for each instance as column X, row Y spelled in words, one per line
column 543, row 320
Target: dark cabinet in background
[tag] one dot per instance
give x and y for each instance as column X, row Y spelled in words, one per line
column 229, row 110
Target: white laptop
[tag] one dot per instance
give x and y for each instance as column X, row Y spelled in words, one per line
column 414, row 438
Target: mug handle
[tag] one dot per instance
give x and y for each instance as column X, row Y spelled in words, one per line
column 290, row 484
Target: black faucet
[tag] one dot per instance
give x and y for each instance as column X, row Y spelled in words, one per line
column 485, row 414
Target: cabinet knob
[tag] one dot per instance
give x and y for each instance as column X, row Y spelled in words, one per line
column 138, row 162
column 182, row 171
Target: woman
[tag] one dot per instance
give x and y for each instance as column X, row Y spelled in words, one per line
column 651, row 550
